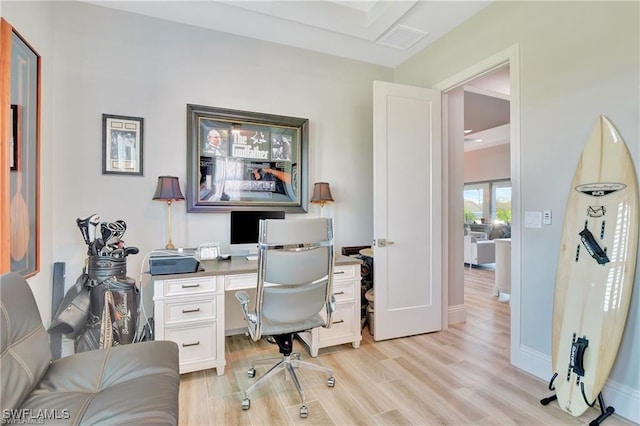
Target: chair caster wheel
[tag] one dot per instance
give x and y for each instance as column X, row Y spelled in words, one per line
column 304, row 412
column 246, row 404
column 331, row 382
column 251, row 373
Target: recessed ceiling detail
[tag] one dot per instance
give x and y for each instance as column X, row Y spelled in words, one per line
column 402, row 37
column 382, row 32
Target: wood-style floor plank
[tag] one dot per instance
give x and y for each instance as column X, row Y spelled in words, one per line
column 460, row 376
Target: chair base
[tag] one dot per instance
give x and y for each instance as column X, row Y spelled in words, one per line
column 287, row 364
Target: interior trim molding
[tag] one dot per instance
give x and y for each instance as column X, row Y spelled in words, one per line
column 457, row 313
column 624, row 399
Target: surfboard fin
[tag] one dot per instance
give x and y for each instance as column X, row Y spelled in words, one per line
column 593, row 247
column 577, row 355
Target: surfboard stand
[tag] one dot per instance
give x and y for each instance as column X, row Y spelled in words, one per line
column 604, row 410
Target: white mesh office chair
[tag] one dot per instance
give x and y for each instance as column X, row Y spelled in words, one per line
column 295, row 280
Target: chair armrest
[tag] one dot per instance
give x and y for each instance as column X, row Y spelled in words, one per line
column 244, row 299
column 330, row 308
column 250, row 317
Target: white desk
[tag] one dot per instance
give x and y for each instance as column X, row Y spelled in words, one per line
column 189, row 309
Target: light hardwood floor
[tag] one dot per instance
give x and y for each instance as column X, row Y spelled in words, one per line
column 460, row 376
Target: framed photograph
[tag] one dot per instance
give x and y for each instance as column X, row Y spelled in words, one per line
column 122, row 141
column 15, row 138
column 240, row 160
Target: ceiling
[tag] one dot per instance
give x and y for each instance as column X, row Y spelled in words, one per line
column 487, row 110
column 381, row 32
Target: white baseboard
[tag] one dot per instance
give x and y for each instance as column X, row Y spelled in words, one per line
column 235, row 331
column 533, row 362
column 624, row 399
column 457, row 313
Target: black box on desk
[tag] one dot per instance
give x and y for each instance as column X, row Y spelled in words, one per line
column 173, row 264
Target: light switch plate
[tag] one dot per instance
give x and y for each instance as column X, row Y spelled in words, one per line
column 546, row 217
column 533, row 219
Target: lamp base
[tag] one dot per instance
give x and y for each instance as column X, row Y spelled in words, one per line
column 170, row 246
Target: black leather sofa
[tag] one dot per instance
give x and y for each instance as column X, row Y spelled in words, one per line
column 129, row 384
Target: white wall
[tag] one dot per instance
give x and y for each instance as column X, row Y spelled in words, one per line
column 577, row 60
column 487, row 164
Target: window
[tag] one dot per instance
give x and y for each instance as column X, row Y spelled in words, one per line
column 501, row 198
column 490, row 200
column 473, row 203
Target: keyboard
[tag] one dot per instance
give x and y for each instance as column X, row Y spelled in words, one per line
column 252, row 257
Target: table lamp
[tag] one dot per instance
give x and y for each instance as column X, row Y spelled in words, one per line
column 321, row 195
column 168, row 190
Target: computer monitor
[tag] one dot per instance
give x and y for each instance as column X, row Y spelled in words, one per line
column 245, row 226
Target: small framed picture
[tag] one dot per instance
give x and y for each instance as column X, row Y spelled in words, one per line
column 122, row 145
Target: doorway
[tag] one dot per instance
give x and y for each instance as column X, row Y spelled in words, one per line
column 453, row 183
column 487, row 197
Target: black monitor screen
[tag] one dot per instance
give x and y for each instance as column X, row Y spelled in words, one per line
column 246, row 224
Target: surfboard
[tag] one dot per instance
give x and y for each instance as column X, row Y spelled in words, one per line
column 596, row 267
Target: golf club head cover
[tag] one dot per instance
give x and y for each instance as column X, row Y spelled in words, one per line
column 83, row 225
column 94, row 221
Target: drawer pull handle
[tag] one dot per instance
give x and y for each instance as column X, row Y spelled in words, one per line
column 188, row 311
column 339, row 293
column 184, row 345
column 190, row 285
column 338, row 322
column 338, row 272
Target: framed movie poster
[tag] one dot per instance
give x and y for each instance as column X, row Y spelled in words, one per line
column 122, row 145
column 239, row 160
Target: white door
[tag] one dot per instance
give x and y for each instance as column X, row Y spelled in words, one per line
column 407, row 194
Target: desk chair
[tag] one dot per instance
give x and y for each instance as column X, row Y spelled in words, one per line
column 295, row 280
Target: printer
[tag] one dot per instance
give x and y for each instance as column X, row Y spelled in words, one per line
column 169, row 264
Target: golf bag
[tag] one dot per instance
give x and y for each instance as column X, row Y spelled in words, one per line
column 113, row 308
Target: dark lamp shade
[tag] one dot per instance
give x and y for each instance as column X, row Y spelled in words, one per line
column 168, row 189
column 321, row 193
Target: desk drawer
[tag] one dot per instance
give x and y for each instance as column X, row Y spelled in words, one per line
column 195, row 343
column 343, row 293
column 342, row 323
column 240, row 281
column 189, row 286
column 190, row 310
column 346, row 272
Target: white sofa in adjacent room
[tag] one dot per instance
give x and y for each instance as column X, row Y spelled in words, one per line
column 478, row 249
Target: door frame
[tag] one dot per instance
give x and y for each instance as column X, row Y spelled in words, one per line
column 510, row 56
